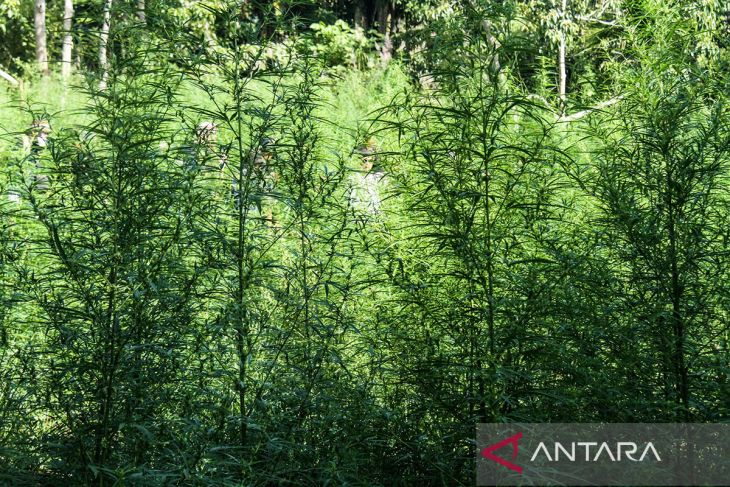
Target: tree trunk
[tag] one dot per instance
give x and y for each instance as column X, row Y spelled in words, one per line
column 382, row 9
column 360, row 19
column 68, row 15
column 41, row 50
column 562, row 78
column 141, row 14
column 386, row 51
column 384, row 18
column 103, row 44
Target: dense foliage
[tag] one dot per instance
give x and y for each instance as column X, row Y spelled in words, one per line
column 315, row 243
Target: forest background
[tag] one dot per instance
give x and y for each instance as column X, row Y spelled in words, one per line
column 315, row 243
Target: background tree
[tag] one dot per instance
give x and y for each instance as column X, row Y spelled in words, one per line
column 67, row 49
column 41, row 49
column 104, row 42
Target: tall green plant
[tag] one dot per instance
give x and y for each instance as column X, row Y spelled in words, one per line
column 111, row 287
column 479, row 189
column 662, row 172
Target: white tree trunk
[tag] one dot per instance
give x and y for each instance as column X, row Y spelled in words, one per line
column 67, row 48
column 104, row 43
column 562, row 76
column 141, row 14
column 41, row 50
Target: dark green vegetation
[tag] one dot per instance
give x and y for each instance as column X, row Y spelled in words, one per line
column 315, row 244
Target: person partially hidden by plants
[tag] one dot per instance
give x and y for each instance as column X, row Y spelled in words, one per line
column 261, row 182
column 369, row 180
column 35, row 142
column 203, row 152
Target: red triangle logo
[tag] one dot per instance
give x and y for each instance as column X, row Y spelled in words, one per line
column 513, row 440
